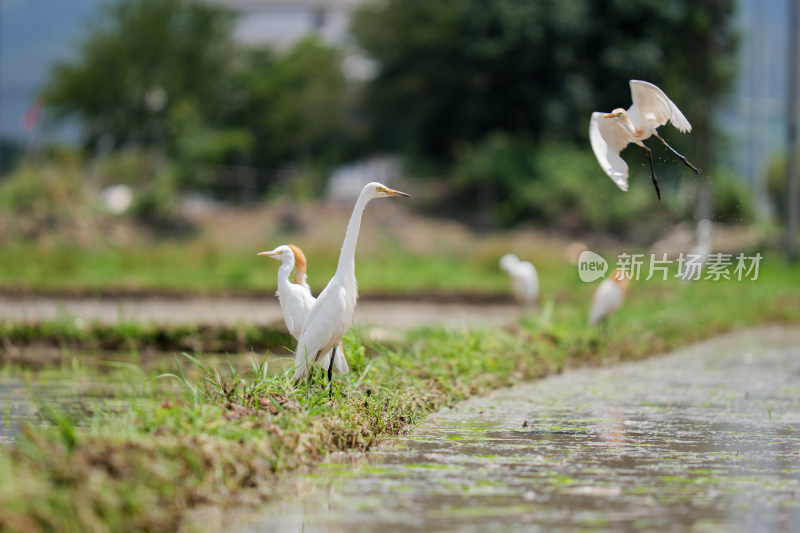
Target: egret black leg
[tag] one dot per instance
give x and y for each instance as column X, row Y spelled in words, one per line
column 674, row 151
column 311, row 367
column 653, row 172
column 309, row 370
column 330, row 372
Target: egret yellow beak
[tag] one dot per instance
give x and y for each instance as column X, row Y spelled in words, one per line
column 393, row 192
column 609, row 115
column 268, row 254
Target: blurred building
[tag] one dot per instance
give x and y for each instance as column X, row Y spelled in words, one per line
column 282, row 22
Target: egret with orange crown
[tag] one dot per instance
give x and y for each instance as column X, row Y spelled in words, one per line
column 295, row 298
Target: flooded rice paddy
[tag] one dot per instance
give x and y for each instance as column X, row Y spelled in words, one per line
column 83, row 384
column 706, row 439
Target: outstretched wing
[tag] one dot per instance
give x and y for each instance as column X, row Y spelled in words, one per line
column 653, row 104
column 608, row 140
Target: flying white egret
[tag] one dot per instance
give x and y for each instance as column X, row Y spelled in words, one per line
column 611, row 132
column 608, row 296
column 524, row 279
column 295, row 298
column 330, row 316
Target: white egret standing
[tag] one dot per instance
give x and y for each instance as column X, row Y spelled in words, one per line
column 330, row 316
column 608, row 296
column 524, row 280
column 295, row 298
column 703, row 245
column 698, row 255
column 611, row 132
column 300, row 265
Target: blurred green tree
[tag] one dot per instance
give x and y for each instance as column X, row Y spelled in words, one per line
column 295, row 103
column 452, row 70
column 166, row 74
column 138, row 60
column 453, row 73
column 701, row 68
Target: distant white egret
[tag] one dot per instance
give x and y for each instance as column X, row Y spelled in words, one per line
column 703, row 245
column 609, row 133
column 524, row 279
column 330, row 316
column 698, row 255
column 608, row 297
column 295, row 298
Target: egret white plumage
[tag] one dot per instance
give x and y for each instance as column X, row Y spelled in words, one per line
column 703, row 245
column 524, row 279
column 330, row 316
column 610, row 133
column 698, row 255
column 295, row 298
column 608, row 297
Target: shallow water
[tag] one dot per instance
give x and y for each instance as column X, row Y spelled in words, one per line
column 394, row 315
column 84, row 383
column 705, row 439
column 27, row 399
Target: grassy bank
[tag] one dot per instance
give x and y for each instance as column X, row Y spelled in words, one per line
column 198, row 267
column 228, row 434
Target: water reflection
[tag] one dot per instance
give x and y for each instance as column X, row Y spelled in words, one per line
column 707, row 439
column 82, row 384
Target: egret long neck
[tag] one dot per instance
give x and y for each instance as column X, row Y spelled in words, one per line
column 283, row 274
column 347, row 257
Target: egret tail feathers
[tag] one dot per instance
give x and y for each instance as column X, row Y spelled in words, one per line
column 339, row 362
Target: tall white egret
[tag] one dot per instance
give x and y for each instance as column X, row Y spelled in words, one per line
column 295, row 298
column 524, row 280
column 330, row 316
column 609, row 133
column 608, row 297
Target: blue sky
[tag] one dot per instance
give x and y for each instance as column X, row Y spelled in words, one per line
column 34, row 33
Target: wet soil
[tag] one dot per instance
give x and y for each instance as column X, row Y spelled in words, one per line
column 396, row 314
column 704, row 439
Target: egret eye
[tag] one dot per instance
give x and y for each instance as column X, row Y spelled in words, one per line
column 379, row 188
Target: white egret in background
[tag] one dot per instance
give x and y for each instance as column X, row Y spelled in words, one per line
column 295, row 298
column 524, row 280
column 703, row 245
column 611, row 132
column 330, row 316
column 608, row 297
column 698, row 255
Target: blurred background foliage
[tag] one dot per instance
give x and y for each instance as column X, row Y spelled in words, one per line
column 490, row 97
